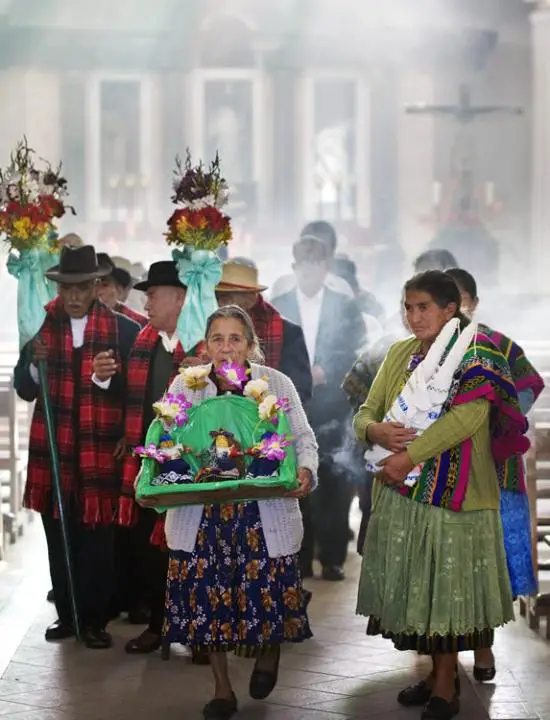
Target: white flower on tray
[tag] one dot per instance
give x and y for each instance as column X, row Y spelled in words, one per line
column 196, row 377
column 256, row 389
column 268, row 407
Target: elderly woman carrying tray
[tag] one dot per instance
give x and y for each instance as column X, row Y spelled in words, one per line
column 234, row 582
column 434, row 576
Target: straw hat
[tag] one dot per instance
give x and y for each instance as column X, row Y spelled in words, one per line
column 239, row 278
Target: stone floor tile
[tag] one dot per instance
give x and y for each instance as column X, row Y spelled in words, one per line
column 512, row 711
column 341, row 673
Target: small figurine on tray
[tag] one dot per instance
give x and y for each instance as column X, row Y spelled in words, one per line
column 175, row 469
column 267, row 454
column 225, row 458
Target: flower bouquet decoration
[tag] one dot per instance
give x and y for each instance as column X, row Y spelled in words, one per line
column 197, row 229
column 32, row 199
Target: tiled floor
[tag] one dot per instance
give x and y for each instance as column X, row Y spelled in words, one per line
column 340, row 673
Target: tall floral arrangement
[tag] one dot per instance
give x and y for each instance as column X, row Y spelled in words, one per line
column 201, row 194
column 197, row 229
column 32, row 199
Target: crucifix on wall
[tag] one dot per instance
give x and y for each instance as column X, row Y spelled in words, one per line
column 460, row 228
column 461, row 200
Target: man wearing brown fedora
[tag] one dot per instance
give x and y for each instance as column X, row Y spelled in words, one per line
column 154, row 361
column 83, row 343
column 281, row 340
column 114, row 289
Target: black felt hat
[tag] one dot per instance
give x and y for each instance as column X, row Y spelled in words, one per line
column 77, row 265
column 121, row 276
column 163, row 273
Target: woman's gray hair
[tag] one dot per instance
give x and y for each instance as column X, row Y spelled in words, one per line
column 234, row 312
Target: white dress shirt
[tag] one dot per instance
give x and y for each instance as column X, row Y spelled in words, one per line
column 169, row 342
column 310, row 315
column 78, row 327
column 287, row 283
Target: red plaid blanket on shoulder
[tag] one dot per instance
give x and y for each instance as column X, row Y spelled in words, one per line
column 132, row 314
column 268, row 324
column 138, row 372
column 95, row 489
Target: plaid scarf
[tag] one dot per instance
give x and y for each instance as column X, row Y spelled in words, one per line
column 268, row 324
column 138, row 373
column 483, row 373
column 511, row 474
column 89, row 482
column 132, row 314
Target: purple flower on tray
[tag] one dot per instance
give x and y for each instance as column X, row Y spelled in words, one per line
column 233, row 374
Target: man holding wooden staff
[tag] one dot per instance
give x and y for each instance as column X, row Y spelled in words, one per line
column 82, row 341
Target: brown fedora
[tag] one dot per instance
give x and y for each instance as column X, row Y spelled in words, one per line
column 77, row 265
column 239, row 278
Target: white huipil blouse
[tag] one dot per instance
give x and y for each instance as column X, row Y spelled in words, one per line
column 281, row 517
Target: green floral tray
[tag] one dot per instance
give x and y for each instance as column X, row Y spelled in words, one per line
column 235, row 418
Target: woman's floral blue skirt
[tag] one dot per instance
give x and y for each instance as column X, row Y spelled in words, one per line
column 516, row 527
column 228, row 594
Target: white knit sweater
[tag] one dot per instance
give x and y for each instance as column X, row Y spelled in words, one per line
column 281, row 517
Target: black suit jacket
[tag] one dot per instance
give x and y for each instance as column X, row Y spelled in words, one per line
column 341, row 334
column 295, row 360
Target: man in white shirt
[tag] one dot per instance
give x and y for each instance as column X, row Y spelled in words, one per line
column 334, row 331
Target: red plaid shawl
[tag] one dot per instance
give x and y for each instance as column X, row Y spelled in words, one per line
column 95, row 489
column 138, row 371
column 268, row 324
column 132, row 314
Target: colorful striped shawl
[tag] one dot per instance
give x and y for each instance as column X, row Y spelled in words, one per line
column 511, row 474
column 483, row 373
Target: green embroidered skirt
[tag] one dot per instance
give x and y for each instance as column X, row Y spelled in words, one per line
column 433, row 580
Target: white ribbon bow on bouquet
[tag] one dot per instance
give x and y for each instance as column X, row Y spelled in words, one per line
column 421, row 401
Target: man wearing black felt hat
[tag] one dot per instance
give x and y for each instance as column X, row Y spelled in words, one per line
column 155, row 360
column 84, row 344
column 114, row 288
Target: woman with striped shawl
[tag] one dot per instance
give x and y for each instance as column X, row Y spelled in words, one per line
column 434, row 577
column 514, row 503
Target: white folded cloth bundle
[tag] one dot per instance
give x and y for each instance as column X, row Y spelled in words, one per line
column 421, row 401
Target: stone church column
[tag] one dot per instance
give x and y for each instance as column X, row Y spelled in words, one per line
column 540, row 209
column 415, row 163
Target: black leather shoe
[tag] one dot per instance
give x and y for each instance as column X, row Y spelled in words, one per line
column 219, row 709
column 59, row 631
column 420, row 694
column 415, row 695
column 439, row 709
column 482, row 675
column 263, row 682
column 333, row 573
column 144, row 644
column 98, row 639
